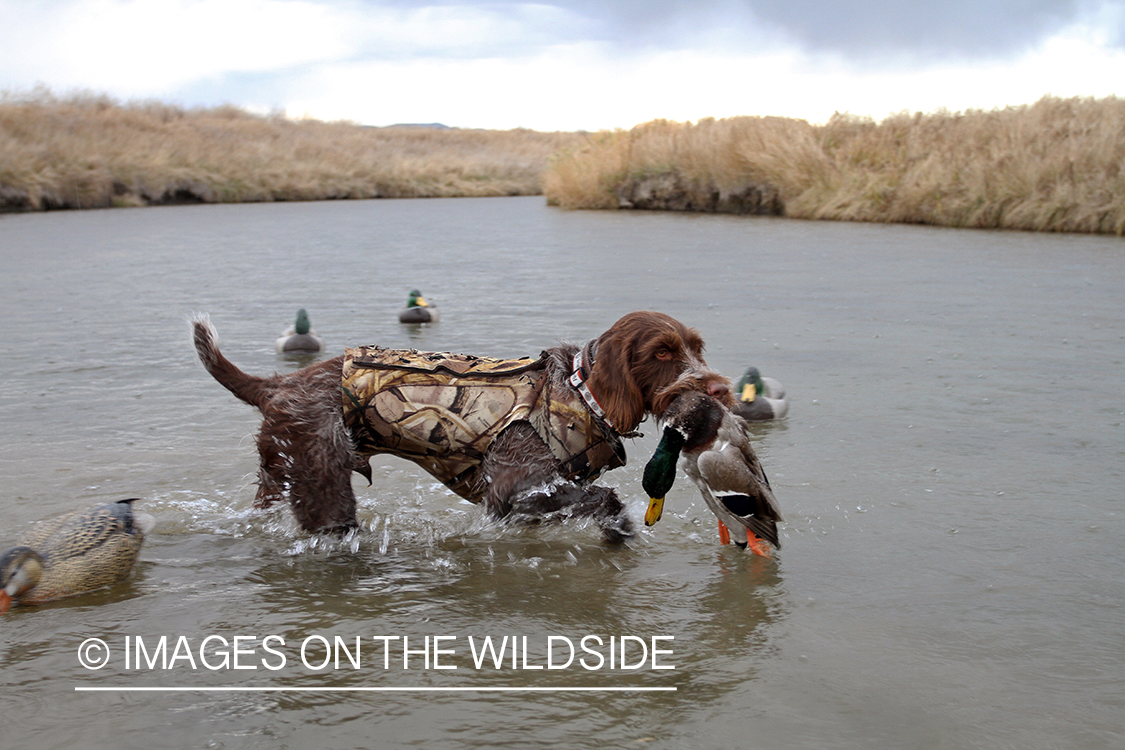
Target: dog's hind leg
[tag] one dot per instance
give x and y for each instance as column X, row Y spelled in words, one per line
column 272, row 470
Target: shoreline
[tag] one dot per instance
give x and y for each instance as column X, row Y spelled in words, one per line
column 1054, row 166
column 91, row 152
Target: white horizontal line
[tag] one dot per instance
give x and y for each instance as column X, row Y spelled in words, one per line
column 374, row 689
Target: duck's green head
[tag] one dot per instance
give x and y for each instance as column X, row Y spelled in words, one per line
column 660, row 472
column 20, row 570
column 416, row 300
column 750, row 386
column 302, row 325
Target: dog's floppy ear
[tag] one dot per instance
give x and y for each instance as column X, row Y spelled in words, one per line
column 613, row 382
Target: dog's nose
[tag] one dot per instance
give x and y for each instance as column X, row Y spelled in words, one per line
column 717, row 389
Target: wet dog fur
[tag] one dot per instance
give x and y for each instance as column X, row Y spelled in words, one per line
column 306, row 453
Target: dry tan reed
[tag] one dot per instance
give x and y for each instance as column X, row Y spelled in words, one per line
column 88, row 150
column 1056, row 165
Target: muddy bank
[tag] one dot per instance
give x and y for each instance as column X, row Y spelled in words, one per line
column 192, row 191
column 672, row 192
column 13, row 199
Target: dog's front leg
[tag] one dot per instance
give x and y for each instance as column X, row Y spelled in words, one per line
column 524, row 482
column 309, row 462
column 322, row 499
column 518, row 461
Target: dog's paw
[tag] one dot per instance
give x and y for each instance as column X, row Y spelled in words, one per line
column 617, row 530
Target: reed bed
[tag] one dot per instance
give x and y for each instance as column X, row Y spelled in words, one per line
column 85, row 151
column 1056, row 165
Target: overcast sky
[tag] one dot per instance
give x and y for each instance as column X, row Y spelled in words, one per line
column 566, row 64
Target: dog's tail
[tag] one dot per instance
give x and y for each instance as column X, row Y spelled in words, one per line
column 253, row 390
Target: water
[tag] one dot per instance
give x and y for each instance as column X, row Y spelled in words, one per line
column 950, row 473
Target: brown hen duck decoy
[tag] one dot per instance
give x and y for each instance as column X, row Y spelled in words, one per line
column 73, row 554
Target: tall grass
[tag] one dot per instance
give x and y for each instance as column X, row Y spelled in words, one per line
column 1056, row 165
column 87, row 150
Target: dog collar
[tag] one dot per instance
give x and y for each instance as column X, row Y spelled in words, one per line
column 578, row 380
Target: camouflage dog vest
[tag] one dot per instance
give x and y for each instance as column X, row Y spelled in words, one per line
column 442, row 411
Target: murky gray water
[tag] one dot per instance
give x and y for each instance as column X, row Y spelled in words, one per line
column 951, row 474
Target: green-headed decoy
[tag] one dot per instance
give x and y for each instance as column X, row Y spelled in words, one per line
column 418, row 310
column 760, row 399
column 300, row 337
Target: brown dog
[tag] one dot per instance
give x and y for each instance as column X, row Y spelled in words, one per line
column 526, row 437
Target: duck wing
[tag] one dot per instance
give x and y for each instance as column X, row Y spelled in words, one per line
column 81, row 533
column 745, row 498
column 773, row 388
column 735, row 477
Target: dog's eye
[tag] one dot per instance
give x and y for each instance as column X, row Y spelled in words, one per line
column 664, row 354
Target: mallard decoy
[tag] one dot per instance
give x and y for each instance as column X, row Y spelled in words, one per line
column 300, row 337
column 73, row 554
column 713, row 446
column 759, row 398
column 418, row 310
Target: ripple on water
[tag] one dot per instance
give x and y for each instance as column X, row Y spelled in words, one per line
column 952, row 445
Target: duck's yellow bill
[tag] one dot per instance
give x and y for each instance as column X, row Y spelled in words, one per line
column 422, row 302
column 748, row 392
column 655, row 510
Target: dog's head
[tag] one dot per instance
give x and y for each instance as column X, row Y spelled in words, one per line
column 644, row 361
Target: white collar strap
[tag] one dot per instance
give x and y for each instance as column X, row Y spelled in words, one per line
column 582, row 361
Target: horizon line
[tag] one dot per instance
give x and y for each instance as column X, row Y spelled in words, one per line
column 418, row 689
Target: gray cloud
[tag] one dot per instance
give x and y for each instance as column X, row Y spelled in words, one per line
column 864, row 30
column 954, row 28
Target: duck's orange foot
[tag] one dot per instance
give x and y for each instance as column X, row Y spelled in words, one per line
column 758, row 546
column 724, row 535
